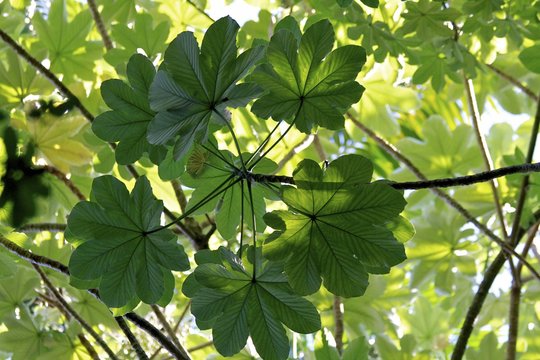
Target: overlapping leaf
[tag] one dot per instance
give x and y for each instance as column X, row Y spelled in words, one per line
column 235, row 304
column 196, row 86
column 128, row 121
column 118, row 245
column 334, row 228
column 206, row 172
column 306, row 82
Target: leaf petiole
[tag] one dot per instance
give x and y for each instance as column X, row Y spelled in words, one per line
column 217, row 191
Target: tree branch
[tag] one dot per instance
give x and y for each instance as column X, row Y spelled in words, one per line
column 131, row 337
column 63, row 178
column 163, row 321
column 33, row 258
column 47, row 73
column 429, row 184
column 338, row 320
column 201, row 11
column 68, row 309
column 100, row 25
column 38, row 227
column 486, row 156
column 513, row 81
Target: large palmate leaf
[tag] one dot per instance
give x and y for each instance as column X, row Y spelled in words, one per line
column 120, row 245
column 207, row 172
column 302, row 87
column 65, row 41
column 235, row 304
column 128, row 121
column 194, row 87
column 334, row 228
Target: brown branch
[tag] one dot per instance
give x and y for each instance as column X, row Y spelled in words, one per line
column 88, row 346
column 33, row 258
column 514, row 82
column 287, row 157
column 338, row 320
column 201, row 11
column 163, row 321
column 100, row 25
column 38, row 227
column 180, row 196
column 63, row 178
column 131, row 337
column 486, row 156
column 47, row 73
column 200, row 346
column 69, row 310
column 428, row 184
column 319, row 148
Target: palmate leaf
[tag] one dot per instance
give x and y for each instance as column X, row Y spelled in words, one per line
column 128, row 121
column 206, row 172
column 335, row 227
column 194, row 87
column 118, row 246
column 227, row 298
column 302, row 87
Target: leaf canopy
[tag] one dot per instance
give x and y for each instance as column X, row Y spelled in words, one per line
column 333, row 228
column 227, row 297
column 306, row 82
column 120, row 243
column 195, row 86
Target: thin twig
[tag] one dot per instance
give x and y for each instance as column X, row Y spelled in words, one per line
column 131, row 337
column 319, row 148
column 88, row 346
column 63, row 178
column 490, row 275
column 158, row 335
column 180, row 196
column 68, row 309
column 201, row 11
column 47, row 73
column 287, row 157
column 515, row 298
column 100, row 25
column 38, row 227
column 163, row 321
column 200, row 346
column 514, row 82
column 486, row 156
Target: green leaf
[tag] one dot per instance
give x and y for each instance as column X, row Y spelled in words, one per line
column 443, row 153
column 142, row 35
column 195, row 87
column 529, row 57
column 371, row 3
column 213, row 172
column 304, row 88
column 69, row 52
column 428, row 19
column 239, row 304
column 128, row 121
column 121, row 243
column 332, row 228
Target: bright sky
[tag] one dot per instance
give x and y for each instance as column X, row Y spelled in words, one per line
column 238, row 10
